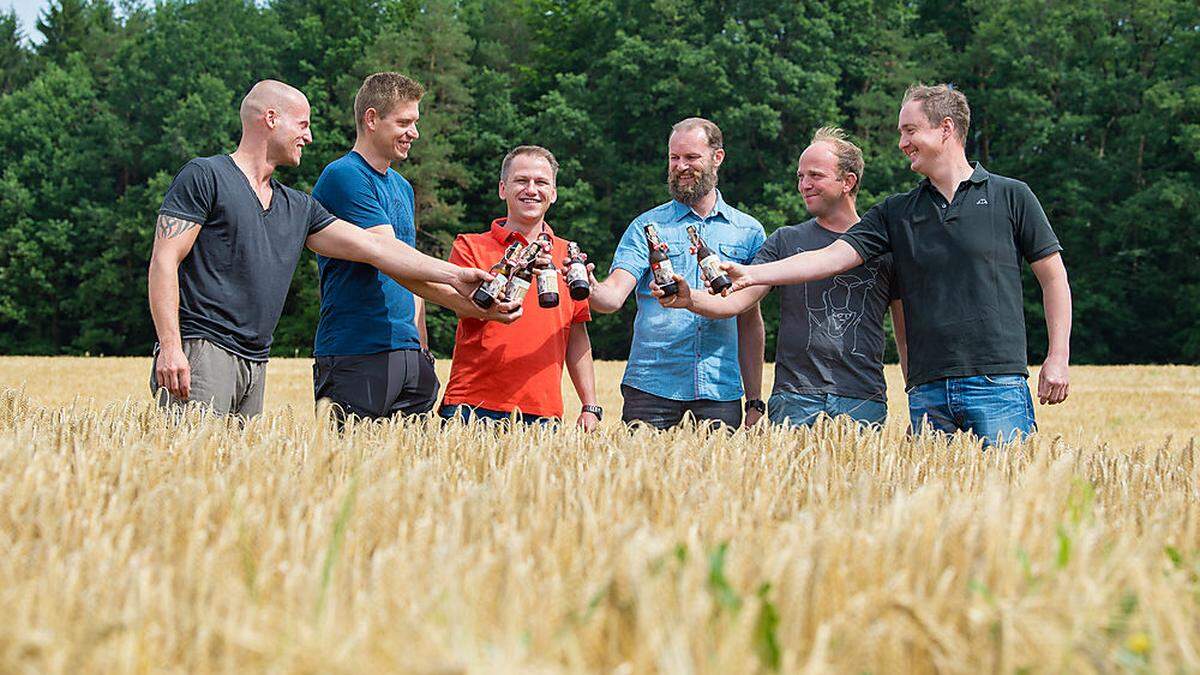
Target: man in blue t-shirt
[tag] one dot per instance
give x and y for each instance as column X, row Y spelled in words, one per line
column 371, row 350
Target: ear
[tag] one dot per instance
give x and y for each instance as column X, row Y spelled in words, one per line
column 503, row 191
column 370, row 119
column 554, row 193
column 947, row 129
column 271, row 117
column 718, row 157
column 849, row 182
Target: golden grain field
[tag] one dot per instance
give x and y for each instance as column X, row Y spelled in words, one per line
column 137, row 543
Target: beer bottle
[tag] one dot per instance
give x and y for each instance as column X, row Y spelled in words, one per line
column 660, row 264
column 577, row 276
column 710, row 263
column 521, row 276
column 489, row 291
column 547, row 277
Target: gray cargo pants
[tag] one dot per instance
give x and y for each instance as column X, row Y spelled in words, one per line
column 227, row 383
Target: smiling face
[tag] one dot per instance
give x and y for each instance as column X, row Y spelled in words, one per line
column 391, row 135
column 820, row 183
column 691, row 165
column 923, row 143
column 529, row 188
column 290, row 131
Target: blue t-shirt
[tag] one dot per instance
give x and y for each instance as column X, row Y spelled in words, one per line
column 364, row 311
column 677, row 354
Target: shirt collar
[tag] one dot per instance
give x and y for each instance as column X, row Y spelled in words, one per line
column 977, row 177
column 719, row 208
column 505, row 236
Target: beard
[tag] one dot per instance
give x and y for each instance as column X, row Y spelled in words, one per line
column 704, row 182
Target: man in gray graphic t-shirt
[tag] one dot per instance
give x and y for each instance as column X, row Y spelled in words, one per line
column 829, row 357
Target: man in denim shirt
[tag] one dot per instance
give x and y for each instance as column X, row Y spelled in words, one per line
column 680, row 362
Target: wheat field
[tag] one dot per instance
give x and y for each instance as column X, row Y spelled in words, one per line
column 135, row 542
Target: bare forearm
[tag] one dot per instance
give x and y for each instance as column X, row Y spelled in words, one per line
column 723, row 307
column 419, row 321
column 606, row 298
column 752, row 340
column 1056, row 296
column 807, row 266
column 163, row 285
column 444, row 295
column 581, row 368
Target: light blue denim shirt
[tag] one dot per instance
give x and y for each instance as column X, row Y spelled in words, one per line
column 677, row 354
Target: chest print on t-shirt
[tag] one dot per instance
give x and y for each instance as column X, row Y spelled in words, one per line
column 835, row 309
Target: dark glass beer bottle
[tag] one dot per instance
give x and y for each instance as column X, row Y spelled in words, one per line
column 489, row 291
column 577, row 276
column 547, row 277
column 660, row 264
column 710, row 263
column 521, row 276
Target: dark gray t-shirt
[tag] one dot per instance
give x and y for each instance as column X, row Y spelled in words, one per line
column 233, row 282
column 830, row 331
column 958, row 266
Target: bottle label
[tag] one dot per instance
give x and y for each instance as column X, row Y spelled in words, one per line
column 711, row 266
column 664, row 273
column 576, row 272
column 516, row 289
column 547, row 280
column 494, row 286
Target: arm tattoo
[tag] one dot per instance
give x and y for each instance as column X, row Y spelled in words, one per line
column 169, row 226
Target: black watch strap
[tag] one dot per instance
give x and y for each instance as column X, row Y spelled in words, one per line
column 595, row 410
column 756, row 404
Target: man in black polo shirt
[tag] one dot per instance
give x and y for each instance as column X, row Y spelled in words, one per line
column 957, row 241
column 227, row 241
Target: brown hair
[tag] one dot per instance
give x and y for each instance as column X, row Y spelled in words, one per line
column 712, row 133
column 535, row 150
column 940, row 101
column 383, row 91
column 849, row 156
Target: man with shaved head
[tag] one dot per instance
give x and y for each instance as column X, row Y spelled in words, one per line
column 226, row 244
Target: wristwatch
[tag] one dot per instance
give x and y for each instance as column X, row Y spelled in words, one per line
column 756, row 404
column 595, row 410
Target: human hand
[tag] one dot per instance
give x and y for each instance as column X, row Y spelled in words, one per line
column 587, row 421
column 172, row 370
column 1054, row 381
column 467, row 279
column 682, row 299
column 739, row 275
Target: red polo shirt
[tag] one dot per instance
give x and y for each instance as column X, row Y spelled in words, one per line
column 516, row 366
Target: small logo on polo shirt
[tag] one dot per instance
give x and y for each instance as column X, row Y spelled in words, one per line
column 982, row 200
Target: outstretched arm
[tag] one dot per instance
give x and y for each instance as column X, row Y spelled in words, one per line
column 1054, row 380
column 708, row 305
column 608, row 296
column 173, row 241
column 797, row 269
column 393, row 257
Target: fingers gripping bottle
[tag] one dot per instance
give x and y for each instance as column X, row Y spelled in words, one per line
column 547, row 277
column 660, row 264
column 710, row 263
column 490, row 291
column 577, row 276
column 521, row 277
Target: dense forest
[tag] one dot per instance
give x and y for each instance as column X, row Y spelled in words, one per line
column 1095, row 104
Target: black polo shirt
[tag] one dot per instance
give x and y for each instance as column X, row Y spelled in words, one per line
column 958, row 267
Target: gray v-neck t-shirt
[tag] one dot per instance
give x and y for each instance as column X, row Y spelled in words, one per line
column 233, row 283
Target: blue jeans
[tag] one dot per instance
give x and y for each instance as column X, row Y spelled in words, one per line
column 787, row 407
column 993, row 407
column 465, row 412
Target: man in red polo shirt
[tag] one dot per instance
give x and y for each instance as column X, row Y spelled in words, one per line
column 498, row 370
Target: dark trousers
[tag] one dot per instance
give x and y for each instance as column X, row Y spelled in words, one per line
column 371, row 386
column 664, row 413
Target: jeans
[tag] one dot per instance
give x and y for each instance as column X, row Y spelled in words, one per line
column 787, row 407
column 993, row 407
column 664, row 413
column 465, row 412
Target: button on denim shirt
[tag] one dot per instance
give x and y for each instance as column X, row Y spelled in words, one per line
column 677, row 354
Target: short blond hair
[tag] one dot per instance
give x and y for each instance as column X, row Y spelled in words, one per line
column 383, row 92
column 849, row 156
column 940, row 101
column 536, row 151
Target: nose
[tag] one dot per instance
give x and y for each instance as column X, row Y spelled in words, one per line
column 413, row 133
column 308, row 137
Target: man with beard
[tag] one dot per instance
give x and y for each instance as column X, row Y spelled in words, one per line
column 830, row 355
column 226, row 244
column 957, row 240
column 680, row 362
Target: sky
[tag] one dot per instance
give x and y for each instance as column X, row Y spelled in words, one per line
column 27, row 11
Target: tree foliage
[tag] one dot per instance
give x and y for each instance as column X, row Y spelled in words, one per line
column 1095, row 104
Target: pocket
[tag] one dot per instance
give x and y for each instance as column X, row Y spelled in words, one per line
column 1005, row 380
column 738, row 253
